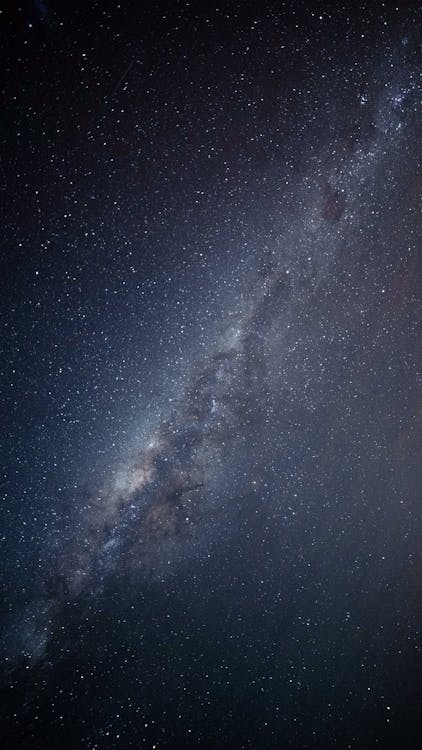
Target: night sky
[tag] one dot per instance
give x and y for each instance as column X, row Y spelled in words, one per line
column 211, row 375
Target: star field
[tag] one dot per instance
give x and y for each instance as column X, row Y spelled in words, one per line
column 211, row 375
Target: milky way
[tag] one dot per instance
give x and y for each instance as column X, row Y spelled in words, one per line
column 258, row 526
column 220, row 437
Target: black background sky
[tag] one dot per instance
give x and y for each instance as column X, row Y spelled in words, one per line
column 210, row 374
